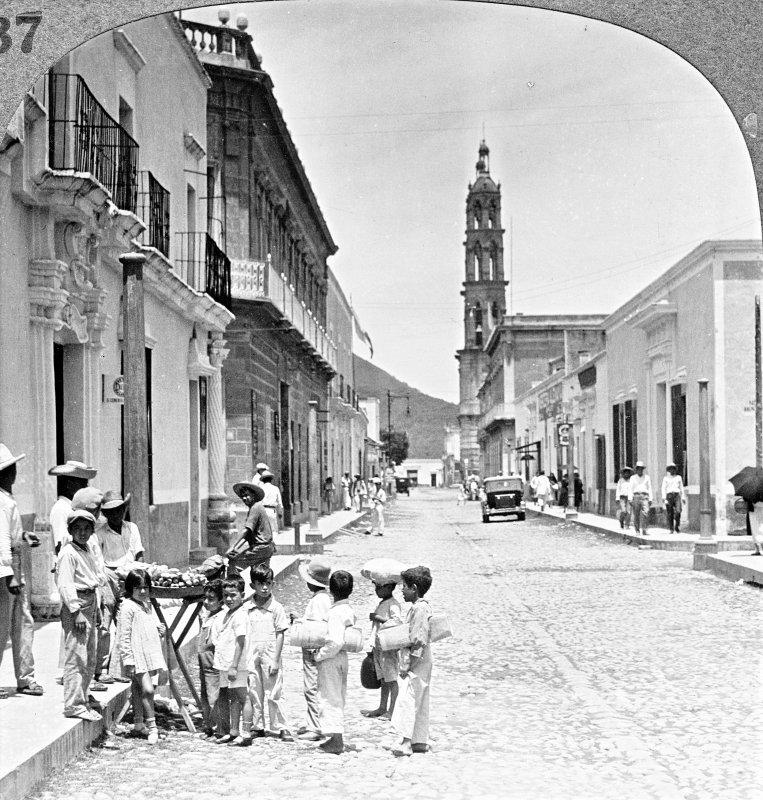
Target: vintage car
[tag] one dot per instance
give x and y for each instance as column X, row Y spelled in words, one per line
column 402, row 485
column 503, row 496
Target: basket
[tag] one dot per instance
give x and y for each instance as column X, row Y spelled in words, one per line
column 308, row 633
column 394, row 637
column 354, row 641
column 439, row 628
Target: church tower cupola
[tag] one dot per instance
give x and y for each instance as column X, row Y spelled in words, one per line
column 484, row 293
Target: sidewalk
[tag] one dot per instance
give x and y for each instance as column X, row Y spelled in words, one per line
column 36, row 738
column 734, row 559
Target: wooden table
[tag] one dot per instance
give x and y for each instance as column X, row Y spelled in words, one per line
column 192, row 597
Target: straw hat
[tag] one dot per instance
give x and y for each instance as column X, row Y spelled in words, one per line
column 79, row 513
column 317, row 572
column 267, row 474
column 88, row 498
column 256, row 490
column 113, row 500
column 639, row 464
column 7, row 458
column 261, row 465
column 73, row 469
column 671, row 466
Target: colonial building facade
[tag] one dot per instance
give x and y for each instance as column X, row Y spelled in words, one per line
column 103, row 158
column 484, row 293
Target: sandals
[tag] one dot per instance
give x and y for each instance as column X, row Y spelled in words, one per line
column 240, row 741
column 32, row 688
column 3, row 694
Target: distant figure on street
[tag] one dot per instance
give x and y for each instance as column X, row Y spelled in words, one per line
column 624, row 497
column 359, row 493
column 346, row 482
column 461, row 497
column 564, row 492
column 272, row 501
column 328, row 495
column 542, row 489
column 641, row 494
column 377, row 518
column 673, row 495
column 16, row 620
column 577, row 484
column 473, row 488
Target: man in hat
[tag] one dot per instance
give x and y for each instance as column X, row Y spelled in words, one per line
column 72, row 476
column 15, row 614
column 259, row 469
column 377, row 516
column 673, row 495
column 641, row 494
column 624, row 497
column 316, row 575
column 255, row 545
column 120, row 545
column 272, row 501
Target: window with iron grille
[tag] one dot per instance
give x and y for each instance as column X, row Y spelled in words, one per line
column 154, row 210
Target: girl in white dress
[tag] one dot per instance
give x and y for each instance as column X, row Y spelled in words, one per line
column 139, row 641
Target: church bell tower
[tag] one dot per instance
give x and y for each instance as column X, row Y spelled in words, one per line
column 484, row 293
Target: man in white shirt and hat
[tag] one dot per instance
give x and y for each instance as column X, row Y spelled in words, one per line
column 15, row 614
column 72, row 476
column 673, row 496
column 272, row 502
column 641, row 498
column 259, row 469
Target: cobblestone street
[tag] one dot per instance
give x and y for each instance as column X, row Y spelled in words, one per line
column 580, row 668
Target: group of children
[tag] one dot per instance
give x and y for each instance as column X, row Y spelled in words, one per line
column 240, row 660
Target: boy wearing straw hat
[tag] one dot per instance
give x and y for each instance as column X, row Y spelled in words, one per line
column 15, row 616
column 316, row 575
column 255, row 545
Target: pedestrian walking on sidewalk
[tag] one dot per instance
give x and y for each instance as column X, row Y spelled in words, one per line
column 79, row 577
column 346, row 483
column 673, row 495
column 272, row 501
column 411, row 716
column 624, row 497
column 258, row 471
column 359, row 493
column 16, row 620
column 139, row 639
column 542, row 489
column 316, row 575
column 332, row 663
column 641, row 494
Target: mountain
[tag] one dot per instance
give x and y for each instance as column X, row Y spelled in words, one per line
column 428, row 418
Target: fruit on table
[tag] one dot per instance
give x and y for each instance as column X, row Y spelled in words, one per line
column 172, row 577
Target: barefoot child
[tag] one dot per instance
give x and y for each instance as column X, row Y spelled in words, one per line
column 332, row 664
column 316, row 574
column 139, row 641
column 411, row 716
column 385, row 661
column 214, row 701
column 267, row 623
column 230, row 656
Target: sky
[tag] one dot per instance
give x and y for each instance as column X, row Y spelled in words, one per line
column 615, row 158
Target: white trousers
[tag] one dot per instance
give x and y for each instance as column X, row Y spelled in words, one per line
column 332, row 687
column 411, row 715
column 266, row 689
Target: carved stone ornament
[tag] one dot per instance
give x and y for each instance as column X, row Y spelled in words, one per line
column 217, row 351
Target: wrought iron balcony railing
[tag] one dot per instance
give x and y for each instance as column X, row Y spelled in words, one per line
column 154, row 210
column 83, row 137
column 203, row 265
column 260, row 280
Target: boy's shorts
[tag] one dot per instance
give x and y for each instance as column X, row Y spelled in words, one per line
column 386, row 665
column 239, row 682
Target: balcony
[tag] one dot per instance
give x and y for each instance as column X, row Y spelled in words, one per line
column 154, row 210
column 500, row 412
column 83, row 137
column 261, row 281
column 203, row 266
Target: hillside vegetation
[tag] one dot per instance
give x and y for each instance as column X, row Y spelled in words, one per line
column 428, row 418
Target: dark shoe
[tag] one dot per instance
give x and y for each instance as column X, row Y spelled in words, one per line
column 257, row 734
column 285, row 736
column 31, row 688
column 241, row 741
column 420, row 748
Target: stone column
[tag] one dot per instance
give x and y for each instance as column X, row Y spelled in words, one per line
column 220, row 516
column 707, row 544
column 313, row 488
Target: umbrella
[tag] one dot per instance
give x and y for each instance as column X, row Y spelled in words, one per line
column 383, row 570
column 748, row 484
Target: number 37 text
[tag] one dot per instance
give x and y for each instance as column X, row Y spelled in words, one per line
column 31, row 18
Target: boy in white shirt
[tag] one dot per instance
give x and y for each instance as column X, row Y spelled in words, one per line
column 230, row 656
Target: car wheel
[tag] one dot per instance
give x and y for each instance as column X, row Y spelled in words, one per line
column 521, row 517
column 485, row 518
